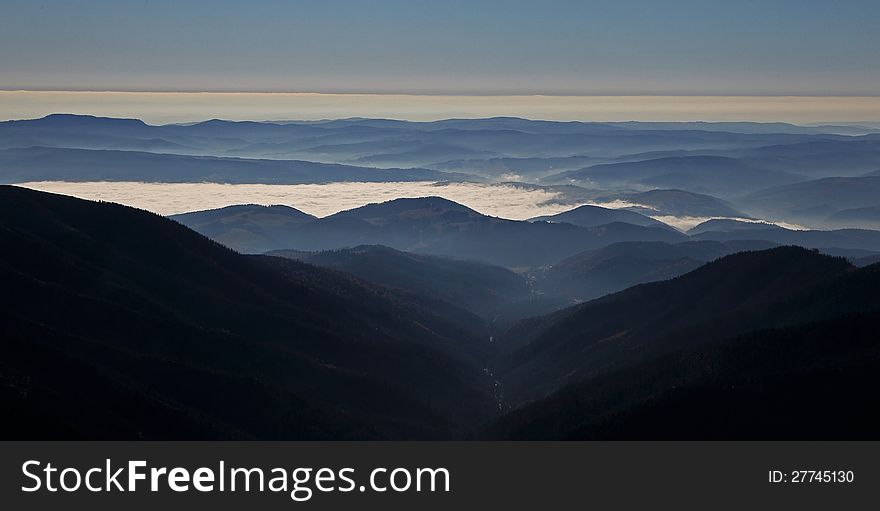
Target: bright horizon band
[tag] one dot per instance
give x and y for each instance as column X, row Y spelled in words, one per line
column 177, row 107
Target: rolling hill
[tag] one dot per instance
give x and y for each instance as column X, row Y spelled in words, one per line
column 21, row 165
column 678, row 203
column 715, row 175
column 859, row 239
column 593, row 216
column 818, row 201
column 437, row 226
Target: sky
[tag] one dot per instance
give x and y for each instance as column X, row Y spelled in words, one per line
column 472, row 47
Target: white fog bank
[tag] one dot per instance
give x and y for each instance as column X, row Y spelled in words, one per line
column 503, row 201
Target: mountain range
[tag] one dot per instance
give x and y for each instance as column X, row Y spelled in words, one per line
column 814, row 176
column 429, row 225
column 63, row 164
column 707, row 281
column 437, row 226
column 122, row 324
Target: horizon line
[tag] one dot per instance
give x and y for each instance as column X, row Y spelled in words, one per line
column 815, row 124
column 645, row 94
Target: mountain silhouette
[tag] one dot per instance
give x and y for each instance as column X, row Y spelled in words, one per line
column 606, row 270
column 817, row 202
column 671, row 202
column 593, row 216
column 734, row 294
column 437, row 226
column 749, row 387
column 63, row 164
column 715, row 175
column 249, row 227
column 119, row 323
column 862, row 239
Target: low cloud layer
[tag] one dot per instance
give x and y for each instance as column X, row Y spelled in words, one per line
column 503, row 201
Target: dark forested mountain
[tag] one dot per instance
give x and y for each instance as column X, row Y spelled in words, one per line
column 61, row 164
column 735, row 294
column 747, row 387
column 422, row 318
column 437, row 226
column 121, row 324
column 592, row 216
column 475, row 286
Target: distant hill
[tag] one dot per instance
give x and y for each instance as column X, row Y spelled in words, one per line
column 606, row 270
column 509, row 168
column 437, row 226
column 867, row 260
column 122, row 324
column 592, row 216
column 487, row 147
column 748, row 127
column 848, row 156
column 867, row 217
column 475, row 286
column 860, row 239
column 679, row 203
column 817, row 201
column 60, row 164
column 251, row 226
column 714, row 175
column 729, row 225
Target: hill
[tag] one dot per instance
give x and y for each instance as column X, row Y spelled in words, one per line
column 250, row 228
column 716, row 175
column 866, row 217
column 474, row 286
column 679, row 203
column 592, row 216
column 122, row 324
column 816, row 201
column 21, row 165
column 729, row 225
column 735, row 294
column 746, row 388
column 437, row 226
column 859, row 239
column 606, row 270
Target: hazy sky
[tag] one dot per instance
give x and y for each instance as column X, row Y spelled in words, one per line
column 697, row 47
